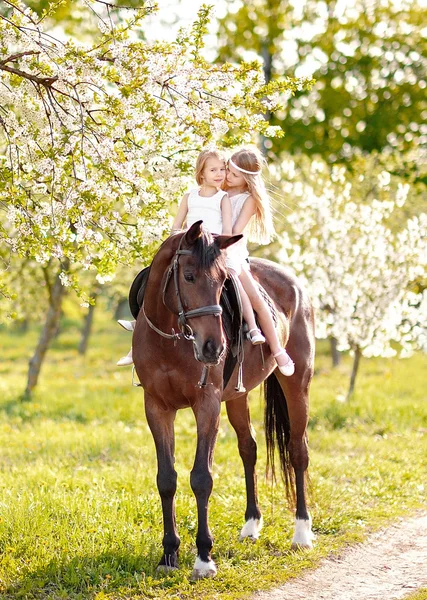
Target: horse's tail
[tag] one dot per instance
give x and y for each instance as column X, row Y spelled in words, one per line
column 277, row 432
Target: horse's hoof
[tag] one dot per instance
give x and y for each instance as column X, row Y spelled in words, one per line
column 164, row 569
column 301, row 546
column 168, row 564
column 202, row 569
column 251, row 530
column 303, row 536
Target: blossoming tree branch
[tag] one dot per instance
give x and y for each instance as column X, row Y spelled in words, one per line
column 366, row 277
column 95, row 139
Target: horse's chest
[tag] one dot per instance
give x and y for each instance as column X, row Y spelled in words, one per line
column 170, row 382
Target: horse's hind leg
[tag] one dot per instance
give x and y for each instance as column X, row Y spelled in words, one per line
column 286, row 423
column 161, row 423
column 239, row 417
column 207, row 412
column 297, row 405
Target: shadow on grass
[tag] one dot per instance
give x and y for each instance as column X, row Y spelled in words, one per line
column 83, row 577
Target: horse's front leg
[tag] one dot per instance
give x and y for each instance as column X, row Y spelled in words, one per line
column 239, row 417
column 161, row 423
column 206, row 411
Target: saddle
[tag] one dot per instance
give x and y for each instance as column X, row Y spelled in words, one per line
column 231, row 305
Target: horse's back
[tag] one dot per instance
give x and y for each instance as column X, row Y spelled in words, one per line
column 282, row 285
column 294, row 313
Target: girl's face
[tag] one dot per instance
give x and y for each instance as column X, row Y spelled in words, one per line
column 213, row 173
column 235, row 178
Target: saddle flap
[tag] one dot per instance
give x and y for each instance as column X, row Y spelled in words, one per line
column 232, row 315
column 136, row 292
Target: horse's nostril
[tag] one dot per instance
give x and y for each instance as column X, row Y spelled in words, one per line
column 211, row 349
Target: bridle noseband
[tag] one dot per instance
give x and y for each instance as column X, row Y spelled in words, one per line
column 185, row 330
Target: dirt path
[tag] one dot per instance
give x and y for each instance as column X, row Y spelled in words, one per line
column 391, row 564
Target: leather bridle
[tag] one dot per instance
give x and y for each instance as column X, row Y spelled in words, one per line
column 186, row 331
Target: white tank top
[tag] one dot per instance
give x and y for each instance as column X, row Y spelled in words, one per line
column 238, row 252
column 207, row 210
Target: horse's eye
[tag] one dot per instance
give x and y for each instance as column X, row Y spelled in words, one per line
column 189, row 277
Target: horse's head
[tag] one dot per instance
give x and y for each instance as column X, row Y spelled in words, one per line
column 192, row 288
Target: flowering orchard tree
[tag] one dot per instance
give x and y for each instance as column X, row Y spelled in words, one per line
column 359, row 271
column 95, row 139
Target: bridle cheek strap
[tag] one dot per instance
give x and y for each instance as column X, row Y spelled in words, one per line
column 186, row 331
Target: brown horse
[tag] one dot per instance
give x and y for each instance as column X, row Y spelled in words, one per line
column 178, row 332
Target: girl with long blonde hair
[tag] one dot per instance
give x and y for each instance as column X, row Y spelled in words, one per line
column 251, row 216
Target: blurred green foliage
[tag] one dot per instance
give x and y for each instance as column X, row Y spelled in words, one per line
column 370, row 63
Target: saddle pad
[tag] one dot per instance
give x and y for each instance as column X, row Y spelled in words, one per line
column 269, row 303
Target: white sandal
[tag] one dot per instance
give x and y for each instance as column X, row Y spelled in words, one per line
column 287, row 369
column 128, row 325
column 125, row 360
column 256, row 337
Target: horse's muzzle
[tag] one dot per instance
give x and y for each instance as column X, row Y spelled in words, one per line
column 211, row 352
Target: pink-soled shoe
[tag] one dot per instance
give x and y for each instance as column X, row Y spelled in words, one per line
column 288, row 368
column 126, row 360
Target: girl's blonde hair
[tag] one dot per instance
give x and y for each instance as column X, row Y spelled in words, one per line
column 203, row 157
column 261, row 228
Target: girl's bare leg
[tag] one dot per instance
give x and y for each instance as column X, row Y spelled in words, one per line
column 248, row 313
column 249, row 317
column 264, row 316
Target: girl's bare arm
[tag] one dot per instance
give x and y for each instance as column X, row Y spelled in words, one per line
column 247, row 212
column 181, row 214
column 226, row 215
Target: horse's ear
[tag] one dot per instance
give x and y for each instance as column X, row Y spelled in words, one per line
column 223, row 241
column 194, row 232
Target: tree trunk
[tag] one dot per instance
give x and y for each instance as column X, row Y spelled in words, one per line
column 87, row 328
column 47, row 334
column 23, row 326
column 335, row 354
column 267, row 58
column 356, row 361
column 122, row 309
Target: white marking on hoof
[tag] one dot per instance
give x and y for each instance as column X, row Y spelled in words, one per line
column 303, row 536
column 251, row 530
column 203, row 569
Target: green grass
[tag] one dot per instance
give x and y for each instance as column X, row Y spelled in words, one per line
column 418, row 595
column 80, row 515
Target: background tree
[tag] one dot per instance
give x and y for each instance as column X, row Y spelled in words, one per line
column 369, row 60
column 361, row 274
column 96, row 139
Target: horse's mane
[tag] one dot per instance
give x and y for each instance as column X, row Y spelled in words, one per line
column 205, row 252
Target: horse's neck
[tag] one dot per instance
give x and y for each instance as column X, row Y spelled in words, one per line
column 153, row 297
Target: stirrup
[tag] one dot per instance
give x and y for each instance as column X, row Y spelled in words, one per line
column 257, row 338
column 289, row 368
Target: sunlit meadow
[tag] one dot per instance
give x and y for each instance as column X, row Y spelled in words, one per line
column 80, row 514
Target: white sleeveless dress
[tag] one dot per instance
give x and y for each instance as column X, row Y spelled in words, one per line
column 207, row 210
column 237, row 254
